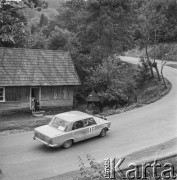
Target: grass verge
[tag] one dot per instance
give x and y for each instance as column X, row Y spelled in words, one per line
column 22, row 125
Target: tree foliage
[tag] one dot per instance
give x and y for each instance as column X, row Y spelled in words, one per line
column 43, row 20
column 109, row 80
column 168, row 30
column 13, row 22
column 151, row 19
column 101, row 28
column 144, row 73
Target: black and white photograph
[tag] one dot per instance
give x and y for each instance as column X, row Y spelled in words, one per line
column 88, row 89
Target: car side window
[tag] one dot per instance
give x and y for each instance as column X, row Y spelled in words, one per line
column 85, row 122
column 89, row 122
column 78, row 125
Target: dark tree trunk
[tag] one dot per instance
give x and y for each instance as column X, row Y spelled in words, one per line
column 154, row 64
column 162, row 75
column 157, row 70
column 164, row 80
column 150, row 64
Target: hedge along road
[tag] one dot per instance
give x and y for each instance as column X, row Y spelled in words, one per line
column 23, row 158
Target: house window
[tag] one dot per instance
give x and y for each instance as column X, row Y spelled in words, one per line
column 2, row 94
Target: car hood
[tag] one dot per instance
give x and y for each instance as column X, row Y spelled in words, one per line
column 100, row 121
column 49, row 131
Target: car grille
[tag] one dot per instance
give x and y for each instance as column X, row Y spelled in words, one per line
column 41, row 136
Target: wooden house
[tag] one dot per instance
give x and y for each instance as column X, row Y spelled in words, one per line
column 46, row 75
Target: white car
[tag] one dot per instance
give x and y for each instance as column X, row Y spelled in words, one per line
column 70, row 127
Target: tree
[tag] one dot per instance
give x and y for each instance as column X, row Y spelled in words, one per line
column 43, row 20
column 37, row 41
column 102, row 28
column 167, row 55
column 108, row 79
column 59, row 39
column 168, row 32
column 163, row 63
column 109, row 26
column 143, row 74
column 13, row 22
column 151, row 18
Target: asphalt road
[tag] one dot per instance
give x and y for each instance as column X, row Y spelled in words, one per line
column 21, row 158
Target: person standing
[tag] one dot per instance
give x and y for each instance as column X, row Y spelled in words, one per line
column 33, row 104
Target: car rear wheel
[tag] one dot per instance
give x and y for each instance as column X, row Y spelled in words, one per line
column 103, row 133
column 67, row 144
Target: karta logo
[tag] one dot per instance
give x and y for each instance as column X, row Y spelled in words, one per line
column 112, row 168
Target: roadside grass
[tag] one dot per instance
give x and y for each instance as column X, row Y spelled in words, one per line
column 25, row 125
column 15, row 121
column 172, row 65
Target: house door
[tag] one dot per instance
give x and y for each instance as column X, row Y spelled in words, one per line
column 35, row 93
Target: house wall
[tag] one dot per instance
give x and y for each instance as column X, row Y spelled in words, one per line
column 56, row 96
column 53, row 96
column 16, row 98
column 20, row 94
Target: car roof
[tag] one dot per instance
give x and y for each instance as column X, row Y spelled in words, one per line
column 73, row 116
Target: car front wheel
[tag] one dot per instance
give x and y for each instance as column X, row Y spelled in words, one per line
column 103, row 133
column 67, row 144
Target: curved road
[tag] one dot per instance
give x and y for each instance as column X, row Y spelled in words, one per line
column 22, row 158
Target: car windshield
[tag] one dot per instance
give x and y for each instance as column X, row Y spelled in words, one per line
column 59, row 123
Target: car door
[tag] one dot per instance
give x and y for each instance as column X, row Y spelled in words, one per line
column 78, row 131
column 92, row 128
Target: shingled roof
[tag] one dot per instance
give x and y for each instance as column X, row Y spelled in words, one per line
column 36, row 67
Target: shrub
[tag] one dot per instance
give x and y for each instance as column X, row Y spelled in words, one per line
column 94, row 172
column 112, row 97
column 143, row 72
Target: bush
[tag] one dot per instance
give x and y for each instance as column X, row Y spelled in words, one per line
column 144, row 74
column 94, row 172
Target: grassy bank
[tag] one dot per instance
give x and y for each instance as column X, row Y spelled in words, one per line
column 21, row 125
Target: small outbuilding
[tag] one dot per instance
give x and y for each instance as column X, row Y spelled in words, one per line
column 47, row 75
column 93, row 100
column 93, row 97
